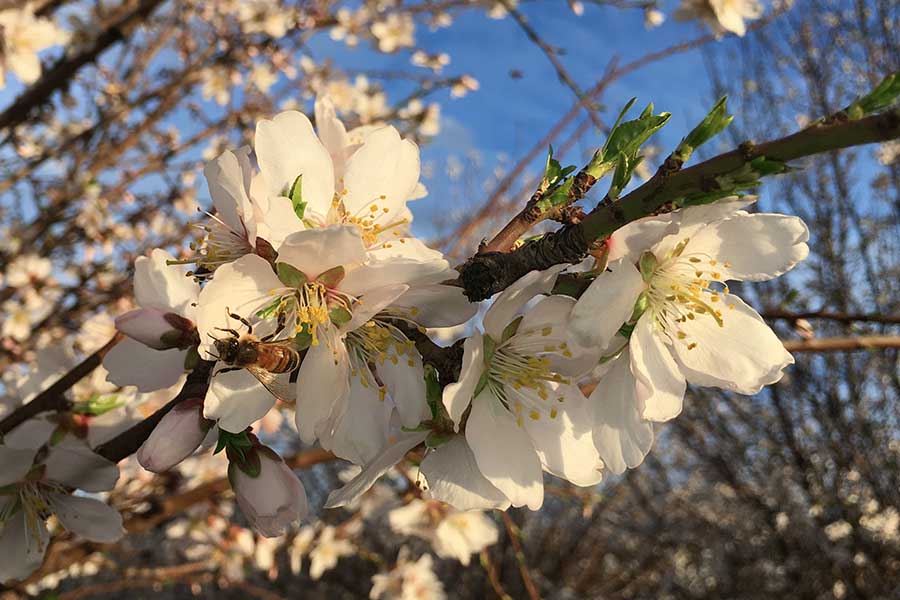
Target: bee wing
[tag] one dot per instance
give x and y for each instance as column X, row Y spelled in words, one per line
column 278, row 384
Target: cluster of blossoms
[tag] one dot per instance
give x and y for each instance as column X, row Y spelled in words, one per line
column 23, row 36
column 309, row 290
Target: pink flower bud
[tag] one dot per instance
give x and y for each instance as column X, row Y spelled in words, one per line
column 156, row 328
column 178, row 434
column 268, row 492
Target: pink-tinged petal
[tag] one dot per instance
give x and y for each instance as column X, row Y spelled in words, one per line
column 287, row 147
column 392, row 453
column 235, row 400
column 315, row 251
column 323, row 383
column 504, row 452
column 457, row 396
column 514, row 298
column 73, row 464
column 167, row 287
column 663, row 385
column 621, row 436
column 452, row 476
column 606, row 305
column 274, row 499
column 175, row 437
column 131, row 363
column 743, row 355
column 91, row 519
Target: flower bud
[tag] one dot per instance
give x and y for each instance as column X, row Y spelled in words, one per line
column 178, row 434
column 156, row 328
column 268, row 492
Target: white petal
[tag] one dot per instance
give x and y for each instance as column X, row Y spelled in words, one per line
column 278, row 221
column 384, row 166
column 458, row 395
column 743, row 356
column 630, row 241
column 241, row 287
column 606, row 305
column 620, row 435
column 405, row 382
column 287, row 147
column 453, row 477
column 131, row 363
column 333, row 134
column 504, row 452
column 372, row 303
column 514, row 298
column 361, row 432
column 314, row 251
column 757, row 247
column 392, row 453
column 437, row 305
column 662, row 392
column 75, row 465
column 22, row 552
column 564, row 443
column 14, row 464
column 235, row 400
column 163, row 286
column 228, row 178
column 87, row 517
column 322, row 383
column 385, row 266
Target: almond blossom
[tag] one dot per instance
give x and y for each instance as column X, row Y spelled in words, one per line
column 37, row 482
column 24, row 35
column 721, row 16
column 453, row 533
column 666, row 293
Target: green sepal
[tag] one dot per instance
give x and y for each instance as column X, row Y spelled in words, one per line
column 235, row 441
column 58, row 435
column 482, row 383
column 490, row 346
column 339, row 315
column 433, row 392
column 511, row 329
column 192, row 359
column 640, row 307
column 290, row 275
column 436, row 439
column 296, row 196
column 626, row 330
column 98, row 405
column 303, row 339
column 332, row 277
column 419, row 427
column 647, row 264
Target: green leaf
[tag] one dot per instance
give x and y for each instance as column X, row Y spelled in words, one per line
column 303, row 339
column 339, row 315
column 881, row 97
column 296, row 196
column 712, row 124
column 98, row 405
column 289, row 275
column 436, row 439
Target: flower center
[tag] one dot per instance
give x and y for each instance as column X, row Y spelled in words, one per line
column 685, row 286
column 373, row 221
column 377, row 341
column 519, row 372
column 31, row 498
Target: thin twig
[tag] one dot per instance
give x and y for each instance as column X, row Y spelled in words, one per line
column 515, row 537
column 843, row 344
column 830, row 316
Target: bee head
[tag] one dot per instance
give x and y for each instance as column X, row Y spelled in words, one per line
column 227, row 349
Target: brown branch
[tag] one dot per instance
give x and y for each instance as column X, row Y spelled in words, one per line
column 830, row 316
column 491, row 569
column 54, row 397
column 483, row 275
column 59, row 75
column 843, row 344
column 515, row 537
column 127, row 443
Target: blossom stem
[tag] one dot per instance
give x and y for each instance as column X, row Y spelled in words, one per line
column 53, row 398
column 487, row 273
column 843, row 344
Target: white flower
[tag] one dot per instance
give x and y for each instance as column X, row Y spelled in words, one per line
column 350, row 25
column 28, row 270
column 408, row 580
column 653, row 18
column 35, row 490
column 395, row 31
column 24, row 35
column 452, row 533
column 328, row 550
column 166, row 288
column 299, row 547
column 721, row 15
column 271, row 498
column 666, row 283
column 178, row 434
column 526, row 415
column 263, row 77
column 218, row 83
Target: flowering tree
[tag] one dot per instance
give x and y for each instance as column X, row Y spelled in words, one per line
column 307, row 293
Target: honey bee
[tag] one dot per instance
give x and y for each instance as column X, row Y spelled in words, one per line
column 272, row 362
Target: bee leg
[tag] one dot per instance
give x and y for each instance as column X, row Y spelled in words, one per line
column 229, row 330
column 228, row 370
column 278, row 329
column 242, row 320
